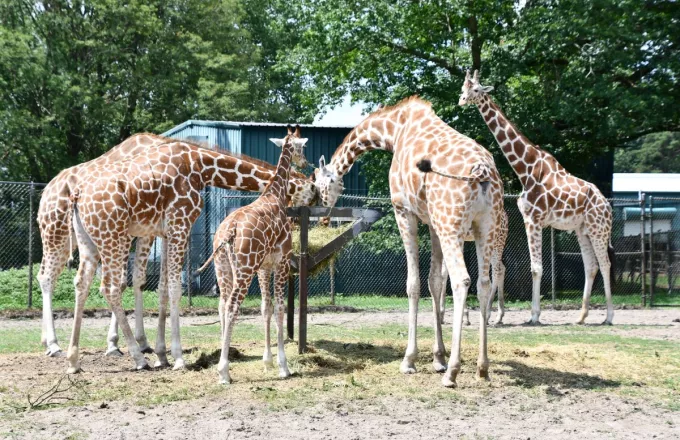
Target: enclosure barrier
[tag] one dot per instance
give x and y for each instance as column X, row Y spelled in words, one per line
column 370, row 271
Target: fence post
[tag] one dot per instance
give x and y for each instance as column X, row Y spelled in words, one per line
column 643, row 265
column 652, row 277
column 332, row 277
column 30, row 245
column 552, row 262
column 302, row 270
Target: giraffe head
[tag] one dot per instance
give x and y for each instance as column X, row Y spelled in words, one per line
column 298, row 159
column 473, row 91
column 328, row 183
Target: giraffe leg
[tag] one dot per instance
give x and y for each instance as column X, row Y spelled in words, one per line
column 590, row 266
column 280, row 285
column 498, row 286
column 161, row 350
column 460, row 282
column 50, row 268
column 535, row 237
column 176, row 249
column 442, row 297
column 242, row 280
column 142, row 251
column 113, row 260
column 225, row 281
column 601, row 246
column 435, row 282
column 408, row 228
column 112, row 338
column 484, row 247
column 89, row 258
column 264, row 276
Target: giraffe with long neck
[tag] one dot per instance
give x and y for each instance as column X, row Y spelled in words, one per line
column 54, row 220
column 464, row 193
column 256, row 239
column 155, row 193
column 550, row 197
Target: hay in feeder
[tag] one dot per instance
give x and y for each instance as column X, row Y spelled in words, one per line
column 317, row 237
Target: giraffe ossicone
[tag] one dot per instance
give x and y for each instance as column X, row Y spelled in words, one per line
column 550, row 197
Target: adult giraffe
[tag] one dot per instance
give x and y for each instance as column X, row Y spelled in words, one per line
column 54, row 221
column 449, row 203
column 256, row 239
column 551, row 197
column 155, row 193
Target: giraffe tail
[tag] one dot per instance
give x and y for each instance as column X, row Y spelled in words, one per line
column 612, row 265
column 480, row 172
column 73, row 206
column 226, row 241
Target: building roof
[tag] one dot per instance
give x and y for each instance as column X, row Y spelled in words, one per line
column 238, row 124
column 646, row 182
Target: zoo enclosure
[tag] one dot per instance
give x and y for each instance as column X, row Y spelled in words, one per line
column 371, row 271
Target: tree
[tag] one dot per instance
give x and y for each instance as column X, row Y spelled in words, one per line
column 78, row 77
column 579, row 78
column 654, row 153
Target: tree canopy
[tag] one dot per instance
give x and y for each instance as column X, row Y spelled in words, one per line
column 579, row 78
column 78, row 77
column 654, row 153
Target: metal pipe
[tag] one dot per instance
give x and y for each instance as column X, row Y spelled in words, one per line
column 643, row 265
column 30, row 245
column 290, row 313
column 652, row 277
column 552, row 263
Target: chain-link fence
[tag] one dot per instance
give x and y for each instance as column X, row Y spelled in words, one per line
column 370, row 272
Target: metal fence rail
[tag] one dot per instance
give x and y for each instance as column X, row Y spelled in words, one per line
column 371, row 271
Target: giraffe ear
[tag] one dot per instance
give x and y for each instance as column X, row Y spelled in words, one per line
column 289, row 128
column 322, row 162
column 277, row 142
column 297, row 130
column 301, row 142
column 487, row 89
column 475, row 77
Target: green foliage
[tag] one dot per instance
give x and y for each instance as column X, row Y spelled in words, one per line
column 79, row 77
column 579, row 78
column 654, row 153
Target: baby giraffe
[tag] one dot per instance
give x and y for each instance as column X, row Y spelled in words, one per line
column 252, row 239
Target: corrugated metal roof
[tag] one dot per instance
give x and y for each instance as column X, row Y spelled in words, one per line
column 646, row 182
column 238, row 124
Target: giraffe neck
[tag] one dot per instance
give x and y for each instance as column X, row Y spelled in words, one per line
column 376, row 132
column 279, row 184
column 523, row 155
column 228, row 172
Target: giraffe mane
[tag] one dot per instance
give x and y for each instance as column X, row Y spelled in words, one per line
column 211, row 147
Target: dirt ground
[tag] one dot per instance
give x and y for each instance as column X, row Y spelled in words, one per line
column 475, row 412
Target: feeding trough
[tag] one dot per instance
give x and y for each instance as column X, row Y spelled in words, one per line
column 305, row 262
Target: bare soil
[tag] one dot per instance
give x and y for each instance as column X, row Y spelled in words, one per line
column 471, row 412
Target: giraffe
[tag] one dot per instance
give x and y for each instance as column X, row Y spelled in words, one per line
column 155, row 193
column 256, row 239
column 55, row 228
column 447, row 201
column 550, row 197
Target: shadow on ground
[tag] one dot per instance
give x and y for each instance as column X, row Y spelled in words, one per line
column 530, row 377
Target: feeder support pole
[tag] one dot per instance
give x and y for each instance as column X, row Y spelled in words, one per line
column 290, row 313
column 302, row 270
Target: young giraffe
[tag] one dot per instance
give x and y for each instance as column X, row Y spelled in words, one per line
column 449, row 206
column 54, row 220
column 155, row 193
column 256, row 239
column 551, row 197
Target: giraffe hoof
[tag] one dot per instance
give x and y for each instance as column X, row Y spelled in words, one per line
column 144, row 366
column 55, row 353
column 74, row 370
column 581, row 322
column 483, row 374
column 114, row 352
column 468, row 323
column 161, row 364
column 439, row 367
column 448, row 383
column 534, row 323
column 225, row 381
column 283, row 374
column 407, row 367
column 607, row 322
column 179, row 364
